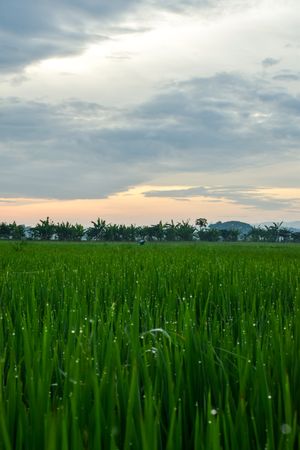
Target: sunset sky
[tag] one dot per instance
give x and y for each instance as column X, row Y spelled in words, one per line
column 136, row 111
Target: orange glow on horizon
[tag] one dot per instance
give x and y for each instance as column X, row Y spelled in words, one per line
column 133, row 207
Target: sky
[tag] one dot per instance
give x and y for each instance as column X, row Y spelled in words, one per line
column 136, row 111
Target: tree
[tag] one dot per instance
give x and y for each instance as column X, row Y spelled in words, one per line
column 209, row 234
column 157, row 231
column 229, row 235
column 171, row 231
column 201, row 222
column 97, row 231
column 17, row 231
column 65, row 231
column 256, row 234
column 44, row 230
column 5, row 230
column 296, row 236
column 273, row 231
column 132, row 232
column 112, row 232
column 185, row 231
column 285, row 235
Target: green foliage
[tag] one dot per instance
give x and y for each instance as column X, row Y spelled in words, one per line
column 272, row 233
column 209, row 234
column 201, row 222
column 5, row 230
column 65, row 231
column 44, row 230
column 181, row 231
column 229, row 235
column 149, row 348
column 11, row 231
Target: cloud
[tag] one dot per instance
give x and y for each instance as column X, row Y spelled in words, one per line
column 32, row 31
column 76, row 149
column 251, row 197
column 55, row 151
column 5, row 201
column 287, row 76
column 270, row 62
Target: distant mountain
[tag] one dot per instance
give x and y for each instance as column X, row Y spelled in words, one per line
column 242, row 227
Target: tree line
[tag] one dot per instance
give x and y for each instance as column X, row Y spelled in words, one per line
column 100, row 230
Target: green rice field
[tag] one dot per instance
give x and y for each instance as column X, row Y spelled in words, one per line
column 162, row 346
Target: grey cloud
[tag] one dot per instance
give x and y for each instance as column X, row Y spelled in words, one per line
column 57, row 151
column 17, row 50
column 287, row 76
column 178, row 5
column 190, row 6
column 225, row 113
column 81, row 149
column 31, row 31
column 269, row 62
column 251, row 197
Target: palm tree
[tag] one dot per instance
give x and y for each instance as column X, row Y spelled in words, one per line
column 273, row 231
column 97, row 231
column 69, row 232
column 256, row 234
column 201, row 222
column 171, row 231
column 132, row 232
column 185, row 231
column 157, row 231
column 44, row 230
column 112, row 232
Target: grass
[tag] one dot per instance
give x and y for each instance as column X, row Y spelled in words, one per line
column 106, row 346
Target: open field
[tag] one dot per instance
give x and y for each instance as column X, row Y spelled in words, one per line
column 106, row 346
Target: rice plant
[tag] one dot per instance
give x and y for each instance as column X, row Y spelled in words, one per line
column 190, row 346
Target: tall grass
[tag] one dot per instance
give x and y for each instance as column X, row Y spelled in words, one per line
column 156, row 347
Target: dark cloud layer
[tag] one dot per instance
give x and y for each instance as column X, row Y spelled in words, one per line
column 250, row 197
column 79, row 149
column 31, row 31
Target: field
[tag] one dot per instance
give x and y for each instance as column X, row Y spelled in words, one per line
column 190, row 346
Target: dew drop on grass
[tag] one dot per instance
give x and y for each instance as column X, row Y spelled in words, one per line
column 269, row 397
column 285, row 428
column 214, row 412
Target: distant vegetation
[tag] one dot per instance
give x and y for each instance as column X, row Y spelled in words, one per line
column 100, row 230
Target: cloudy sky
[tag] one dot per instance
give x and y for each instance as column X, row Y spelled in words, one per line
column 137, row 111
